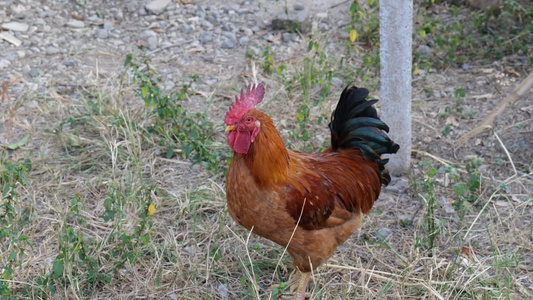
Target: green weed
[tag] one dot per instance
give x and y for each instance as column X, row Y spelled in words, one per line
column 176, row 128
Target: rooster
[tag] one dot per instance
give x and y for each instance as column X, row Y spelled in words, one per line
column 308, row 203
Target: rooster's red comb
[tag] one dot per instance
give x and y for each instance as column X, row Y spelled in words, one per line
column 247, row 101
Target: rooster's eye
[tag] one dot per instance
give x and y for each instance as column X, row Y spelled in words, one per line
column 248, row 120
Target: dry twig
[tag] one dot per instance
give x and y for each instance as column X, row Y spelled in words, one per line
column 488, row 122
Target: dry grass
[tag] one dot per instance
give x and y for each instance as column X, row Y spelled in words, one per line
column 95, row 144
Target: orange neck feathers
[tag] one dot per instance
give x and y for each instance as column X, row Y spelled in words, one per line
column 267, row 159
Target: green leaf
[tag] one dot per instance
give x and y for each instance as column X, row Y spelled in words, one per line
column 127, row 62
column 58, row 268
column 12, row 256
column 20, row 143
column 7, row 273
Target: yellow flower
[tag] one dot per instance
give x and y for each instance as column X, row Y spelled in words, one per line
column 151, row 210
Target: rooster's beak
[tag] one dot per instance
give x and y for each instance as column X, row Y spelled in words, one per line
column 230, row 128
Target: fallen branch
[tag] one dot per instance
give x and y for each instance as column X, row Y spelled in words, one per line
column 488, row 122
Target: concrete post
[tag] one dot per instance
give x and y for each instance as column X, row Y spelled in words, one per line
column 396, row 28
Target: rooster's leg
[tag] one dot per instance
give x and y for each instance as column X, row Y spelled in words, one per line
column 302, row 286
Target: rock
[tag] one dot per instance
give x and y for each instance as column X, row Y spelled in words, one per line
column 256, row 52
column 186, row 28
column 102, row 34
column 21, row 54
column 229, row 27
column 243, row 41
column 384, row 232
column 75, row 24
column 292, row 21
column 398, row 185
column 286, row 37
column 16, row 26
column 223, row 291
column 299, row 6
column 35, row 49
column 51, row 50
column 34, row 72
column 210, row 80
column 150, row 38
column 10, row 38
column 157, row 6
column 119, row 15
column 68, row 62
column 424, row 51
column 228, row 40
column 323, row 27
column 206, row 37
column 108, row 26
column 247, row 31
column 18, row 9
column 94, row 18
column 322, row 16
column 132, row 6
column 4, row 63
column 206, row 25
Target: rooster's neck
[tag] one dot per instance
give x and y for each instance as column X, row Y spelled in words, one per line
column 268, row 158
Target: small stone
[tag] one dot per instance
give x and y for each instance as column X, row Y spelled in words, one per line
column 132, row 6
column 286, row 37
column 18, row 9
column 108, row 26
column 206, row 37
column 51, row 50
column 16, row 26
column 206, row 25
column 169, row 85
column 398, row 185
column 68, row 62
column 229, row 27
column 292, row 20
column 152, row 42
column 186, row 28
column 34, row 72
column 243, row 41
column 464, row 67
column 102, row 34
column 21, row 54
column 142, row 12
column 424, row 51
column 210, row 80
column 10, row 38
column 247, row 31
column 323, row 27
column 384, row 232
column 228, row 41
column 75, row 24
column 4, row 63
column 158, row 6
column 119, row 15
column 35, row 49
column 256, row 52
column 223, row 291
column 94, row 18
column 299, row 6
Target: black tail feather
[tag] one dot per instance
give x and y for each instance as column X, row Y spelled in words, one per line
column 355, row 124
